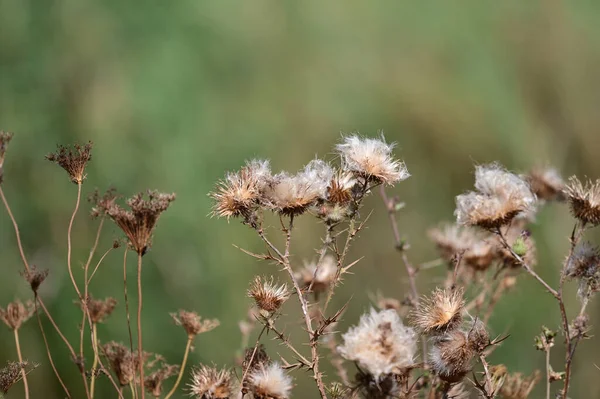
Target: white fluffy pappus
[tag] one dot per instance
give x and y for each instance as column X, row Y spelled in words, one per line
column 270, row 381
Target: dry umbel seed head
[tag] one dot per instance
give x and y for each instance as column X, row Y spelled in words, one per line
column 193, row 324
column 371, row 159
column 380, row 344
column 17, row 313
column 210, row 383
column 12, row 374
column 100, row 309
column 439, row 313
column 517, row 386
column 154, row 382
column 241, row 192
column 102, row 202
column 270, row 382
column 584, row 200
column 499, row 198
column 546, row 184
column 73, row 159
column 139, row 222
column 267, row 295
column 123, row 362
column 35, row 277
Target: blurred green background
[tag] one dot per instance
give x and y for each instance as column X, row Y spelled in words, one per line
column 175, row 93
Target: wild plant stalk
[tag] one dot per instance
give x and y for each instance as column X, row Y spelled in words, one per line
column 23, row 372
column 96, row 358
column 188, row 346
column 139, row 326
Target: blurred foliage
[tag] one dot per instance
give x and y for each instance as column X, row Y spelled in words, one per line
column 175, row 93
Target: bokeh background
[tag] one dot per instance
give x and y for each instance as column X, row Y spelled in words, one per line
column 174, row 94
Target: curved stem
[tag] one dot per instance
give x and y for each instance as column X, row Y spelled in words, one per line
column 182, row 368
column 95, row 364
column 23, row 372
column 69, row 246
column 139, row 325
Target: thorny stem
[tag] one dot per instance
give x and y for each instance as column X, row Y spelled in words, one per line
column 285, row 261
column 182, row 368
column 95, row 364
column 488, row 378
column 37, row 313
column 139, row 326
column 23, row 372
column 322, row 253
column 252, row 357
column 287, row 343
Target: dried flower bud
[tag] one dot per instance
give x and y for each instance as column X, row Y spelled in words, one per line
column 516, row 386
column 380, row 343
column 193, row 324
column 579, row 327
column 102, row 202
column 100, row 309
column 320, row 277
column 584, row 200
column 546, row 184
column 210, row 383
column 154, row 382
column 339, row 190
column 270, row 382
column 5, row 138
column 441, row 312
column 476, row 248
column 73, row 160
column 123, row 362
column 13, row 373
column 35, row 277
column 477, row 336
column 371, row 159
column 240, row 193
column 17, row 313
column 451, row 356
column 268, row 296
column 139, row 222
column 584, row 265
column 501, row 196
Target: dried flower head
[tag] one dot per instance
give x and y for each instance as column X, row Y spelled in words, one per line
column 268, row 295
column 501, row 196
column 380, row 343
column 371, row 159
column 584, row 200
column 477, row 336
column 339, row 190
column 123, row 362
column 546, row 183
column 17, row 313
column 475, row 248
column 270, row 382
column 294, row 194
column 35, row 277
column 240, row 193
column 73, row 159
column 516, row 386
column 584, row 265
column 193, row 324
column 100, row 309
column 451, row 355
column 102, row 202
column 254, row 358
column 210, row 383
column 139, row 222
column 386, row 386
column 320, row 277
column 441, row 312
column 5, row 138
column 154, row 382
column 12, row 373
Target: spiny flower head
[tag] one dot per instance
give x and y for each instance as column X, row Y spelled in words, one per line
column 501, row 196
column 294, row 194
column 239, row 193
column 5, row 138
column 584, row 265
column 270, row 382
column 100, row 309
column 380, row 343
column 517, row 386
column 339, row 190
column 320, row 277
column 210, row 383
column 440, row 312
column 475, row 248
column 584, row 200
column 546, row 183
column 73, row 159
column 154, row 382
column 123, row 362
column 450, row 356
column 267, row 295
column 139, row 222
column 193, row 324
column 371, row 159
column 16, row 313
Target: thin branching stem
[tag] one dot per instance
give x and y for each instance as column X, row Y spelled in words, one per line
column 69, row 245
column 188, row 346
column 23, row 372
column 548, row 371
column 96, row 357
column 16, row 227
column 139, row 325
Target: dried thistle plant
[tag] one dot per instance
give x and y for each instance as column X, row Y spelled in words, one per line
column 210, row 383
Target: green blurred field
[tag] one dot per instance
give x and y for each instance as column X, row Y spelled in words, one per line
column 175, row 93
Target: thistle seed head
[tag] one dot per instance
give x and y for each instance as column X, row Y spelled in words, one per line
column 267, row 295
column 439, row 313
column 322, row 277
column 584, row 200
column 17, row 313
column 546, row 184
column 210, row 383
column 270, row 382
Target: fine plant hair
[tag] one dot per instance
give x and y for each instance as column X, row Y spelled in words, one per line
column 433, row 344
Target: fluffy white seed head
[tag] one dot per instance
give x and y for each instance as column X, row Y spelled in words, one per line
column 380, row 343
column 372, row 159
column 270, row 382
